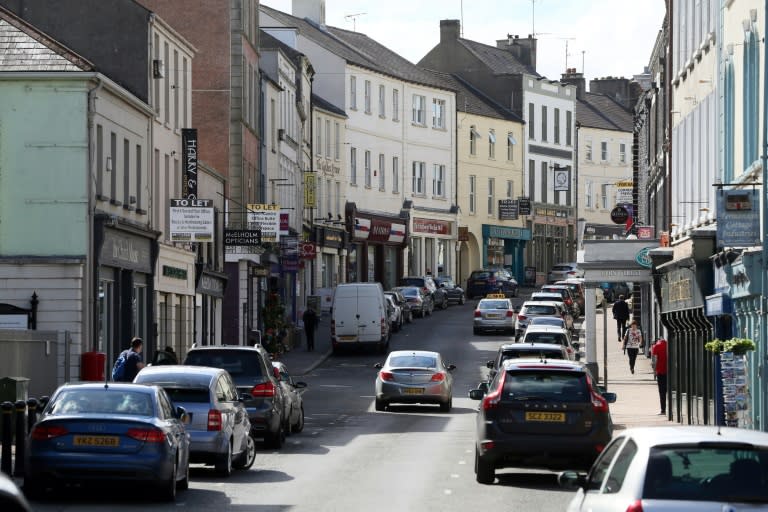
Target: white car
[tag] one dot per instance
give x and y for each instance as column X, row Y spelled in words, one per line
column 681, row 467
column 553, row 335
column 494, row 314
column 395, row 313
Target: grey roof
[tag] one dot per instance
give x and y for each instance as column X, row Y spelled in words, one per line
column 473, row 101
column 357, row 49
column 24, row 48
column 326, row 105
column 269, row 42
column 603, row 112
column 500, row 61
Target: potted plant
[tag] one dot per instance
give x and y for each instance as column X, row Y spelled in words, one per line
column 738, row 346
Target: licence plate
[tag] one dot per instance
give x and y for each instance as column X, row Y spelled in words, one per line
column 347, row 338
column 558, row 417
column 492, row 315
column 110, row 441
column 413, row 391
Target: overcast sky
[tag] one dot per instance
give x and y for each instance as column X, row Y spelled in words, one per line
column 603, row 37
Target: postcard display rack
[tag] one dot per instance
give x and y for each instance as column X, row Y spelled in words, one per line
column 733, row 368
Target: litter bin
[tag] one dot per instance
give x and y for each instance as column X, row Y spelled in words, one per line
column 13, row 389
column 92, row 366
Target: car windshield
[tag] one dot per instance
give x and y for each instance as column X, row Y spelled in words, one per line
column 547, row 320
column 532, row 352
column 237, row 362
column 413, row 361
column 723, row 472
column 558, row 385
column 540, row 310
column 480, row 275
column 410, row 292
column 102, row 401
column 493, row 304
column 545, row 337
column 415, row 281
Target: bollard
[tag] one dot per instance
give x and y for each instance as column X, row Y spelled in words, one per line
column 21, row 437
column 6, row 461
column 31, row 413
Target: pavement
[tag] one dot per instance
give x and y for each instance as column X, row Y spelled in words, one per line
column 637, row 401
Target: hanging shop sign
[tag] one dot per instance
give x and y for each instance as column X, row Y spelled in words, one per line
column 562, row 176
column 508, row 209
column 624, row 191
column 738, row 218
column 248, row 237
column 191, row 220
column 189, row 154
column 310, row 190
column 463, row 234
column 308, row 250
column 524, row 207
column 266, row 218
column 619, row 215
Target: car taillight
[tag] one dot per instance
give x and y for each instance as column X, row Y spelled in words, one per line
column 263, row 390
column 635, row 506
column 599, row 404
column 491, row 400
column 510, row 314
column 45, row 432
column 425, row 290
column 478, row 314
column 147, row 435
column 438, row 377
column 214, row 419
column 386, row 375
column 381, row 324
column 522, row 317
column 568, row 301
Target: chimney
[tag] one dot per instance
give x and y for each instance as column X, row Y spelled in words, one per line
column 524, row 49
column 571, row 77
column 618, row 88
column 314, row 10
column 450, row 30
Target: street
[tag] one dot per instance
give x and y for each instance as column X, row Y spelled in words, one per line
column 350, row 457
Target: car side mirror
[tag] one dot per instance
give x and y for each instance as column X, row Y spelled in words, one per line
column 572, row 480
column 300, row 385
column 378, row 366
column 609, row 397
column 181, row 414
column 476, row 394
column 489, row 364
column 451, row 367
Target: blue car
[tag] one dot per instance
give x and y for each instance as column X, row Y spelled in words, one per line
column 486, row 281
column 126, row 433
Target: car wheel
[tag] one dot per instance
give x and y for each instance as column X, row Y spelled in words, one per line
column 34, row 488
column 381, row 405
column 224, row 462
column 484, row 471
column 299, row 425
column 275, row 439
column 183, row 484
column 446, row 406
column 445, row 303
column 167, row 490
column 249, row 454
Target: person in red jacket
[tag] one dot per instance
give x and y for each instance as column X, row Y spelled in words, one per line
column 659, row 357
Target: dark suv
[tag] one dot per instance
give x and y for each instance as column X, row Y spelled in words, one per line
column 540, row 414
column 257, row 386
column 485, row 281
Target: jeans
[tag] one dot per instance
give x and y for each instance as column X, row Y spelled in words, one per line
column 632, row 353
column 661, row 382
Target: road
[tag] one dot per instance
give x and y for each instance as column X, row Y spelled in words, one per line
column 349, row 457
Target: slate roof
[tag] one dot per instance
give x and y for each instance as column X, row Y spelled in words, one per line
column 272, row 43
column 473, row 101
column 500, row 61
column 24, row 48
column 603, row 112
column 357, row 49
column 326, row 105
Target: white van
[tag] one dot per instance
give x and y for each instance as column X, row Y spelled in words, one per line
column 359, row 317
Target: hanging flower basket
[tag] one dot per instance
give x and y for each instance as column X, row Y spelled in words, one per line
column 738, row 346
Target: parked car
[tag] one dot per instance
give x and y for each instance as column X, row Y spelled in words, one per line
column 218, row 425
column 359, row 317
column 530, row 309
column 293, row 391
column 611, row 291
column 562, row 271
column 401, row 301
column 524, row 351
column 540, row 414
column 563, row 311
column 455, row 292
column 554, row 321
column 576, row 285
column 494, row 314
column 554, row 335
column 96, row 432
column 257, row 386
column 11, row 497
column 427, row 284
column 486, row 281
column 680, row 467
column 414, row 377
column 394, row 313
column 420, row 301
column 565, row 293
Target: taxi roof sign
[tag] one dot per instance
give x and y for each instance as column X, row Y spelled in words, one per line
column 495, row 296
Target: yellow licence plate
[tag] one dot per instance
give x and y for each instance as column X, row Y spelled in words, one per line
column 109, row 441
column 492, row 315
column 413, row 391
column 347, row 338
column 545, row 416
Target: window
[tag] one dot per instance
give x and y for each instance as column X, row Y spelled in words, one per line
column 419, row 109
column 418, row 177
column 273, row 124
column 588, row 194
column 328, row 138
column 623, row 153
column 353, row 92
column 491, row 144
column 568, row 127
column 138, row 179
column 382, row 101
column 600, row 468
column 472, row 194
column 328, row 199
column 126, row 171
column 510, row 189
column 319, row 137
column 511, row 142
column 588, row 150
column 531, row 116
column 100, row 161
column 604, row 196
column 382, row 173
column 367, row 168
column 473, row 136
column 491, row 183
column 544, row 123
column 367, row 91
column 557, row 126
column 353, row 166
column 175, row 89
column 438, row 181
column 167, row 83
column 438, row 113
column 620, row 467
column 337, row 196
column 604, row 151
column 531, row 178
column 544, row 173
column 336, row 140
column 395, row 174
column 395, row 105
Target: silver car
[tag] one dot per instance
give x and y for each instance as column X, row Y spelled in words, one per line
column 494, row 314
column 530, row 309
column 294, row 403
column 552, row 335
column 414, row 377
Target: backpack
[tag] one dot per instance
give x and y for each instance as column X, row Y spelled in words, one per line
column 118, row 370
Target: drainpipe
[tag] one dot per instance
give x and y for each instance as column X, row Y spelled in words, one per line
column 763, row 342
column 91, row 281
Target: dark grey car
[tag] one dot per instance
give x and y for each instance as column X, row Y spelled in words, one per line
column 294, row 403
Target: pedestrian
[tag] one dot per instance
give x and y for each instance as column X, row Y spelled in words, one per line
column 633, row 340
column 620, row 312
column 168, row 356
column 129, row 362
column 659, row 358
column 310, row 326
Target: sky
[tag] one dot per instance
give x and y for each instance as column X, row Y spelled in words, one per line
column 603, row 37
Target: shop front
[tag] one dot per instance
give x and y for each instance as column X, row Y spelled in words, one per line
column 376, row 248
column 210, row 292
column 432, row 247
column 329, row 263
column 505, row 246
column 175, row 294
column 553, row 238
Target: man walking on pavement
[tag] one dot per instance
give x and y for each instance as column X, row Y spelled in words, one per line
column 659, row 358
column 310, row 325
column 621, row 314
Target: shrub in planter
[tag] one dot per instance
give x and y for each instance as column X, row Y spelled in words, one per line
column 739, row 346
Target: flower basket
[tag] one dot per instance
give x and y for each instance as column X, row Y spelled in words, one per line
column 738, row 346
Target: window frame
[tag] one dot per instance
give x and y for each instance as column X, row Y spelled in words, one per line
column 417, row 178
column 419, row 112
column 353, row 92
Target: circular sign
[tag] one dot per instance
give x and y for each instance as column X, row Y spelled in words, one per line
column 619, row 215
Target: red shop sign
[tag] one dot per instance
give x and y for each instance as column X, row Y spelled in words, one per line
column 433, row 227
